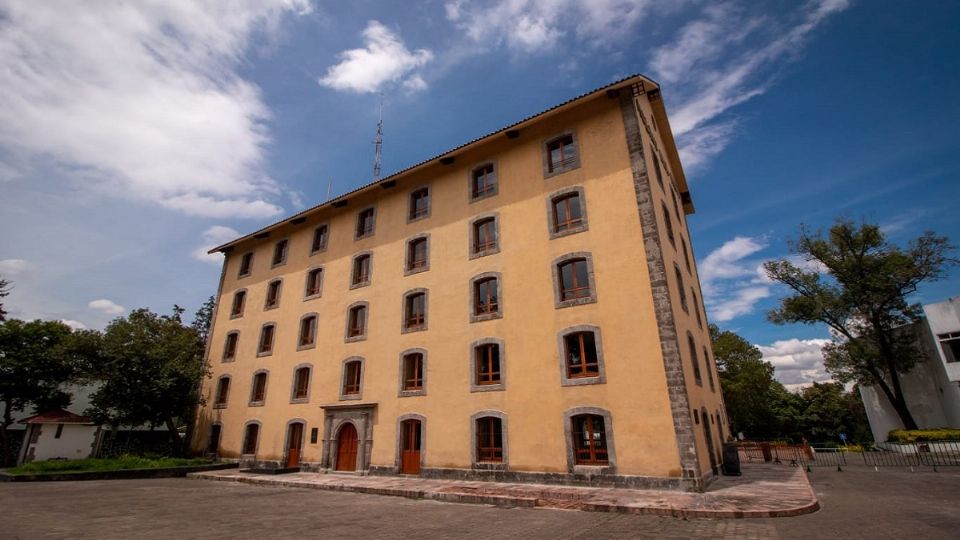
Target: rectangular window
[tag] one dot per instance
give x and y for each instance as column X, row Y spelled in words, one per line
column 365, row 222
column 580, row 349
column 351, row 378
column 230, row 346
column 419, row 204
column 696, row 307
column 319, row 239
column 308, row 331
column 485, row 235
column 485, row 296
column 656, row 167
column 314, row 279
column 273, row 295
column 239, row 298
column 416, row 311
column 951, row 346
column 266, row 339
column 484, row 181
column 259, row 388
column 561, row 154
column 574, row 282
column 280, row 252
column 301, row 383
column 567, row 213
column 680, row 289
column 488, row 363
column 246, row 264
column 223, row 390
column 413, row 371
column 668, row 223
column 489, row 439
column 417, row 254
column 694, row 360
column 250, row 438
column 59, row 431
column 686, row 254
column 358, row 320
column 361, row 270
column 590, row 440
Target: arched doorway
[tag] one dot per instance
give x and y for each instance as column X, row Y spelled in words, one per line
column 347, row 448
column 294, row 444
column 410, row 444
column 213, row 444
column 705, row 422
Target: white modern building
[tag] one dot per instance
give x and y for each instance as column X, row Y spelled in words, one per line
column 932, row 387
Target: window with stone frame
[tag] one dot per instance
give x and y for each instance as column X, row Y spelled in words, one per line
column 709, row 367
column 483, row 181
column 250, row 435
column 265, row 345
column 680, row 288
column 656, row 167
column 417, row 254
column 273, row 294
column 308, row 331
column 301, row 383
column 365, row 222
column 246, row 265
column 361, row 270
column 486, row 297
column 320, row 238
column 223, row 392
column 419, row 204
column 258, row 391
column 694, row 360
column 314, row 283
column 239, row 300
column 686, row 254
column 485, row 235
column 668, row 223
column 352, row 373
column 412, row 372
column 415, row 311
column 562, row 154
column 580, row 354
column 487, row 362
column 589, row 440
column 357, row 325
column 489, row 439
column 574, row 279
column 230, row 346
column 280, row 252
column 696, row 307
column 567, row 212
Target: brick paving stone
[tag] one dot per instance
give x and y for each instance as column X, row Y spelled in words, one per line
column 764, row 490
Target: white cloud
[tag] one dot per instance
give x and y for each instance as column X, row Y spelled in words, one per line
column 725, row 58
column 213, row 237
column 732, row 282
column 108, row 307
column 384, row 59
column 142, row 100
column 15, row 267
column 530, row 26
column 75, row 325
column 797, row 362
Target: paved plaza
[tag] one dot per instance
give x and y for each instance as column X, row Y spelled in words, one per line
column 856, row 503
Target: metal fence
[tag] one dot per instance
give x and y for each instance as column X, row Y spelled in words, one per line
column 921, row 454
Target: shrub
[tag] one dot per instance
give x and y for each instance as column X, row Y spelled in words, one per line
column 923, row 435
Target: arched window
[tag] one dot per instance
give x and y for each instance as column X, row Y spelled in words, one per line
column 483, row 181
column 230, row 346
column 693, row 358
column 412, row 372
column 486, row 297
column 320, row 235
column 273, row 294
column 239, row 299
column 280, row 252
column 308, row 332
column 223, row 392
column 567, row 212
column 301, row 383
column 489, row 431
column 417, row 254
column 415, row 311
column 357, row 322
column 580, row 353
column 314, row 283
column 258, row 390
column 251, row 437
column 352, row 379
column 574, row 280
column 485, row 239
column 362, row 265
column 419, row 204
column 561, row 154
column 265, row 345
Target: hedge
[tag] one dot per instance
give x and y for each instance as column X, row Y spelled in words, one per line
column 923, row 435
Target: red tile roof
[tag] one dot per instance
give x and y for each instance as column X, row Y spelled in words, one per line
column 58, row 416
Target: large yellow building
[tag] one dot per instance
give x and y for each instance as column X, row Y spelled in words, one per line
column 524, row 307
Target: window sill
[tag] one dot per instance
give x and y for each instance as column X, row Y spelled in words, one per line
column 350, row 397
column 418, row 270
column 412, row 219
column 360, row 285
column 265, row 353
column 483, row 196
column 278, row 265
column 498, row 387
column 554, row 234
column 236, row 316
column 219, row 405
column 560, row 170
column 486, row 317
column 592, row 299
column 594, row 470
column 300, row 400
column 228, row 360
column 484, row 253
column 490, row 466
column 354, row 339
column 255, row 404
column 362, row 236
column 581, row 381
column 412, row 329
column 307, row 347
column 312, row 296
column 317, row 252
column 269, row 308
column 412, row 393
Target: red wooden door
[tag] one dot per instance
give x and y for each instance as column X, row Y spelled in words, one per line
column 410, row 447
column 347, row 448
column 294, row 442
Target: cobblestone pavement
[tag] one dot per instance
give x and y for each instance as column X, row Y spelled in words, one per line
column 856, row 503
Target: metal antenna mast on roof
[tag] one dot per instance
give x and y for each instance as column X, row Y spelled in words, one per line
column 378, row 144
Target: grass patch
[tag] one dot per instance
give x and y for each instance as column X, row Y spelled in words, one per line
column 112, row 464
column 923, row 435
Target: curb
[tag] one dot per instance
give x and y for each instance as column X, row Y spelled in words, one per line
column 516, row 501
column 121, row 474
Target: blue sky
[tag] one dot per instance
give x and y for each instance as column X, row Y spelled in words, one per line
column 132, row 138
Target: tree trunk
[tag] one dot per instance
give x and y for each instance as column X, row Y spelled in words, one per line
column 175, row 443
column 896, row 397
column 7, row 420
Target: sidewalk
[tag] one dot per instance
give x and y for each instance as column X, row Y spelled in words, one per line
column 764, row 490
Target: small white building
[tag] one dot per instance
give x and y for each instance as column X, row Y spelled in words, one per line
column 58, row 434
column 932, row 387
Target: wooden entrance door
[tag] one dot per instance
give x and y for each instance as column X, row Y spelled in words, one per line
column 213, row 446
column 294, row 443
column 705, row 420
column 410, row 447
column 347, row 448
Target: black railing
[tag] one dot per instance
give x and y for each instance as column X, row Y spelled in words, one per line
column 920, row 454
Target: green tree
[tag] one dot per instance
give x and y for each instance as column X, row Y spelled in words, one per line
column 35, row 362
column 829, row 410
column 203, row 319
column 757, row 404
column 4, row 292
column 857, row 284
column 149, row 366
